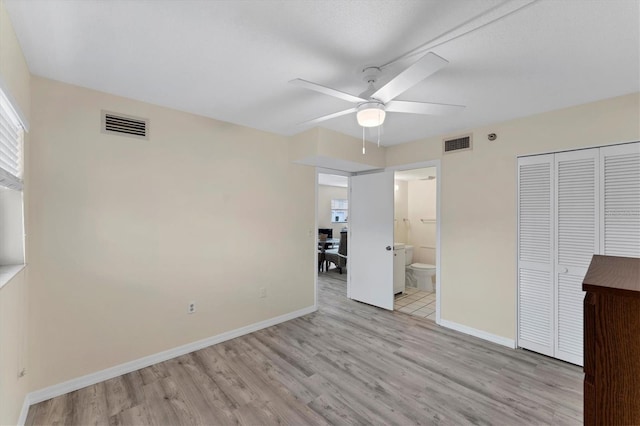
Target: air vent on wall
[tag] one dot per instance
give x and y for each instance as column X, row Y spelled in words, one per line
column 124, row 125
column 462, row 143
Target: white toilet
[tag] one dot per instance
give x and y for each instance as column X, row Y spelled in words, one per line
column 418, row 274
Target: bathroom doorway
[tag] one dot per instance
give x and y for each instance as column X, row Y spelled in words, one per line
column 417, row 237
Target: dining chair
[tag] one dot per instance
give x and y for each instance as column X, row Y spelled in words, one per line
column 339, row 256
column 322, row 246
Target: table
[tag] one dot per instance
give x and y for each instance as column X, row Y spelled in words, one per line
column 329, row 243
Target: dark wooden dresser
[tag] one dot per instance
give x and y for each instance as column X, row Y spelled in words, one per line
column 612, row 341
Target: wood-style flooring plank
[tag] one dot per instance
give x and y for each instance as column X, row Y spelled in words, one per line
column 89, row 406
column 168, row 404
column 279, row 399
column 347, row 364
column 120, row 395
column 138, row 415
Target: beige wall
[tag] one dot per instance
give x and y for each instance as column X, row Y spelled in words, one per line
column 13, row 303
column 478, row 226
column 126, row 232
column 327, row 193
column 400, row 212
column 13, row 67
column 422, row 205
column 332, row 144
column 13, row 318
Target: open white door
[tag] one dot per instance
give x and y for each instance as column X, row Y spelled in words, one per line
column 371, row 239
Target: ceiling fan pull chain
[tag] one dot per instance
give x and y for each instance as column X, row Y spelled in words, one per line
column 379, row 128
column 363, row 149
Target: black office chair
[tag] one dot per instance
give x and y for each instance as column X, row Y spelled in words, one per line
column 327, row 231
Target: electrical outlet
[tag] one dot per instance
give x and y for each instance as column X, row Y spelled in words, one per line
column 191, row 309
column 263, row 292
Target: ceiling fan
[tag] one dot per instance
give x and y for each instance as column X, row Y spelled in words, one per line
column 373, row 104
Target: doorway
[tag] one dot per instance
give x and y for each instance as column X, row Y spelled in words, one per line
column 332, row 219
column 371, row 233
column 415, row 247
column 417, row 221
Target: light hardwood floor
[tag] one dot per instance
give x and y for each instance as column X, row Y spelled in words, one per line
column 348, row 363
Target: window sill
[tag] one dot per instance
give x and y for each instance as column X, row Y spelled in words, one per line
column 7, row 272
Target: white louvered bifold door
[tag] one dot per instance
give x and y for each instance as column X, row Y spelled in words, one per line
column 535, row 253
column 620, row 209
column 577, row 240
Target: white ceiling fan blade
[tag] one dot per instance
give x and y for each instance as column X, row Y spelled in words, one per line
column 328, row 117
column 426, row 108
column 327, row 90
column 423, row 68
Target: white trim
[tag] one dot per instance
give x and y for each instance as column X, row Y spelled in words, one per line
column 315, row 246
column 517, row 259
column 510, row 343
column 326, row 171
column 349, row 239
column 118, row 370
column 438, row 246
column 8, row 272
column 437, row 165
column 24, row 411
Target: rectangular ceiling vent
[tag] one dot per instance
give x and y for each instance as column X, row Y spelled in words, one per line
column 461, row 143
column 124, row 125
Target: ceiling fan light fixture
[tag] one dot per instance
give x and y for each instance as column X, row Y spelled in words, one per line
column 371, row 114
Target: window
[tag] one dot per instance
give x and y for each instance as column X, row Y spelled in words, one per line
column 11, row 173
column 339, row 211
column 11, row 145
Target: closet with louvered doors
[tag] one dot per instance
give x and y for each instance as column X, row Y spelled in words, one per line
column 536, row 204
column 577, row 239
column 620, row 207
column 571, row 205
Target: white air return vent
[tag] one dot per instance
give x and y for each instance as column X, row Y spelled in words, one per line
column 461, row 143
column 125, row 125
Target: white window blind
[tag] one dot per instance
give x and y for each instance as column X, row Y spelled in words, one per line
column 339, row 211
column 11, row 145
column 337, row 204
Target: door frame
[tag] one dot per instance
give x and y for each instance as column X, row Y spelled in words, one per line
column 321, row 170
column 437, row 165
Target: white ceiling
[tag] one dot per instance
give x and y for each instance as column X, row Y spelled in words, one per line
column 231, row 60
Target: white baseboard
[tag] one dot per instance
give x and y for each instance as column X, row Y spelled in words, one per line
column 510, row 343
column 25, row 409
column 118, row 370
